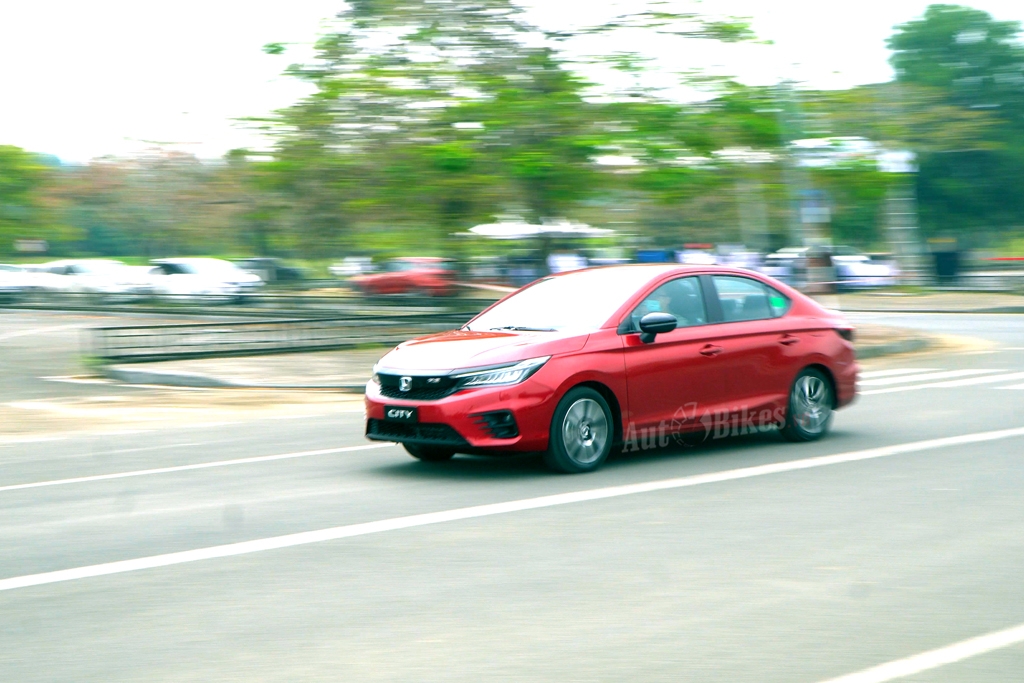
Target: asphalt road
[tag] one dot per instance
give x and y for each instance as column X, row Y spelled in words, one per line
column 40, row 349
column 705, row 570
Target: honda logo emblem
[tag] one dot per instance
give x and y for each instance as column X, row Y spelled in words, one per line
column 405, row 383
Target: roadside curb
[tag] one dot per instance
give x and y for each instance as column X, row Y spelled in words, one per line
column 995, row 310
column 195, row 380
column 912, row 345
column 136, row 375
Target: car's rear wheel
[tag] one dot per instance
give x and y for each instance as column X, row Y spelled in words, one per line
column 428, row 453
column 811, row 402
column 581, row 432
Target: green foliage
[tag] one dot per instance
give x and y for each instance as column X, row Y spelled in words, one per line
column 425, row 118
column 971, row 157
column 29, row 204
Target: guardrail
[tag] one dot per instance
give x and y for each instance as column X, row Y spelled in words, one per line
column 146, row 343
column 270, row 304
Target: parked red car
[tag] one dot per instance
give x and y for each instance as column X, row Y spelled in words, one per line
column 410, row 275
column 634, row 356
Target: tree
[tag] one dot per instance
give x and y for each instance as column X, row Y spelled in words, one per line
column 447, row 113
column 973, row 66
column 976, row 61
column 29, row 205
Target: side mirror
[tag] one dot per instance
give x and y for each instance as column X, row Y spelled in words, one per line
column 654, row 324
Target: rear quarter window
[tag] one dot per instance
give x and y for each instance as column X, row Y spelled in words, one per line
column 743, row 298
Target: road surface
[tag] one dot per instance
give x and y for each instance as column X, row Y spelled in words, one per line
column 275, row 544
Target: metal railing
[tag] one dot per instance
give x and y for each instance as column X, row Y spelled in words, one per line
column 264, row 304
column 146, row 343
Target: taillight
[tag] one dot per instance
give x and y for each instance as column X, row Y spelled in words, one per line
column 846, row 333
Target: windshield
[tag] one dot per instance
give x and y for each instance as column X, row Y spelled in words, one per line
column 580, row 301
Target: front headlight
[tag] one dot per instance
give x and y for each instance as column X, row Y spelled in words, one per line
column 510, row 374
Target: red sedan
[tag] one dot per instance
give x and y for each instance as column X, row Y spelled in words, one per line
column 629, row 357
column 424, row 275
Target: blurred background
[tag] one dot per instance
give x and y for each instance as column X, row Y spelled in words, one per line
column 407, row 146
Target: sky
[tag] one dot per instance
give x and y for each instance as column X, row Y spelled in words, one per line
column 81, row 80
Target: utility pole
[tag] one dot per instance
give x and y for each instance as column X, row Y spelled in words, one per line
column 790, row 176
column 904, row 235
column 901, row 216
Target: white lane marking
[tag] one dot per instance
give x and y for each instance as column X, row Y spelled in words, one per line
column 1012, row 386
column 991, row 379
column 168, row 387
column 948, row 374
column 10, row 440
column 186, row 468
column 980, row 380
column 28, row 438
column 77, row 380
column 872, row 374
column 933, row 659
column 97, row 380
column 429, row 518
column 40, row 330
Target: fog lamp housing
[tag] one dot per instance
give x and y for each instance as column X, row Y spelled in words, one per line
column 501, row 424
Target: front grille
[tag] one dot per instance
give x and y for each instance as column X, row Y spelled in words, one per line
column 421, row 388
column 419, row 432
column 414, row 394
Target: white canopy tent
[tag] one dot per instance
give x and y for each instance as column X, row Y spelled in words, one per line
column 516, row 230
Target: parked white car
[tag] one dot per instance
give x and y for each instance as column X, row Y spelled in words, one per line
column 350, row 266
column 201, row 278
column 15, row 281
column 860, row 271
column 106, row 278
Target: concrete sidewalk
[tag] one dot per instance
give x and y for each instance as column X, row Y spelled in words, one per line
column 924, row 302
column 350, row 370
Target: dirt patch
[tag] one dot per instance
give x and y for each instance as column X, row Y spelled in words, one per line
column 163, row 409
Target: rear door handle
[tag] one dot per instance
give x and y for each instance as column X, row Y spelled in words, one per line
column 789, row 340
column 711, row 350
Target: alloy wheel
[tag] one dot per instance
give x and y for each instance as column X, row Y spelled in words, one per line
column 585, row 431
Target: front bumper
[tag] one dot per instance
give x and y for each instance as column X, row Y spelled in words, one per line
column 457, row 421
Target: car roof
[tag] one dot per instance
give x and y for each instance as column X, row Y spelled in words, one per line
column 74, row 261
column 421, row 259
column 659, row 269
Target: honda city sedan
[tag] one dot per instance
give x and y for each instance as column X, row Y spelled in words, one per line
column 628, row 357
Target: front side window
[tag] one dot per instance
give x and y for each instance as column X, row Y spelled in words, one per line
column 681, row 298
column 742, row 298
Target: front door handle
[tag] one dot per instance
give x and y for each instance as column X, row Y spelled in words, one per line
column 789, row 340
column 711, row 350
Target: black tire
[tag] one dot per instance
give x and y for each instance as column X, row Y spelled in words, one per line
column 810, row 408
column 581, row 432
column 428, row 453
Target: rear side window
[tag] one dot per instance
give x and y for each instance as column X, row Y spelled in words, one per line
column 742, row 298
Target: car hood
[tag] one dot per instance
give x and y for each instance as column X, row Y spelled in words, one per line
column 458, row 349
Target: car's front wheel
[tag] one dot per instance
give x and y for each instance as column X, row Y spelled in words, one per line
column 581, row 432
column 810, row 411
column 428, row 453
